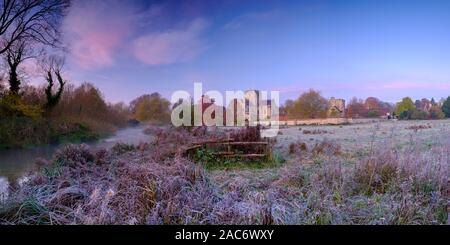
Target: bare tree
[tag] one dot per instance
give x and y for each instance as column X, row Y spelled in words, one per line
column 52, row 66
column 37, row 20
column 15, row 55
column 2, row 85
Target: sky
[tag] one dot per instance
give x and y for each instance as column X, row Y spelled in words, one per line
column 387, row 49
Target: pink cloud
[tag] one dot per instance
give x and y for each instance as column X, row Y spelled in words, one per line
column 173, row 46
column 95, row 30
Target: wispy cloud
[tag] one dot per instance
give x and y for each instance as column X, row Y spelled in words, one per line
column 95, row 30
column 402, row 85
column 98, row 32
column 173, row 46
column 416, row 85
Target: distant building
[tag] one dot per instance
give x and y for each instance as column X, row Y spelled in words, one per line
column 252, row 106
column 264, row 109
column 336, row 107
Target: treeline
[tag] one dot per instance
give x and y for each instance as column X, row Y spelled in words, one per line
column 422, row 109
column 369, row 108
column 312, row 104
column 81, row 114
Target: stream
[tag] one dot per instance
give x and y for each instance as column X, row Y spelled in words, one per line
column 17, row 163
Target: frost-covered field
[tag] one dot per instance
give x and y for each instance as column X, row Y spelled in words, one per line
column 392, row 172
column 388, row 172
column 401, row 133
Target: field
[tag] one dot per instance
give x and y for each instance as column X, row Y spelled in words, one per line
column 391, row 172
column 388, row 172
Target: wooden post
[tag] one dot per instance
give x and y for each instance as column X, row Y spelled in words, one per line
column 228, row 139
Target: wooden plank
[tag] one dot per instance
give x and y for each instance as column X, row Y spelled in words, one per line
column 246, row 155
column 233, row 142
column 244, row 143
column 192, row 147
column 212, row 141
column 198, row 145
column 224, row 153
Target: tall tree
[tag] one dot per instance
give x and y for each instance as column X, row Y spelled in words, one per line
column 372, row 104
column 405, row 106
column 310, row 104
column 433, row 102
column 436, row 112
column 356, row 108
column 2, row 86
column 151, row 107
column 20, row 51
column 418, row 104
column 52, row 68
column 288, row 104
column 446, row 107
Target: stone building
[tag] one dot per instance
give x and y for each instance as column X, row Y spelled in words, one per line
column 336, row 107
column 264, row 109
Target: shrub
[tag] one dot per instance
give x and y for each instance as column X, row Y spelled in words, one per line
column 418, row 115
column 298, row 147
column 326, row 147
column 121, row 148
column 418, row 127
column 74, row 156
column 247, row 134
column 12, row 105
column 316, row 131
column 375, row 175
column 372, row 114
column 436, row 112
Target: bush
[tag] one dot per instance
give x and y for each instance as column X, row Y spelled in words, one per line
column 74, row 155
column 298, row 147
column 436, row 112
column 404, row 115
column 12, row 105
column 418, row 115
column 446, row 107
column 375, row 175
column 372, row 114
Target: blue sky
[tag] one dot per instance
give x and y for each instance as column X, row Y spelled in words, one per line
column 387, row 49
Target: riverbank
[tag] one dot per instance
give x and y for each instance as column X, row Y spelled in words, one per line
column 15, row 133
column 15, row 163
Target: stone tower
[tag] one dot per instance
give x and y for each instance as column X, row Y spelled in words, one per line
column 336, row 107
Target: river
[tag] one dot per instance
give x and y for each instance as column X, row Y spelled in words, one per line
column 17, row 163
